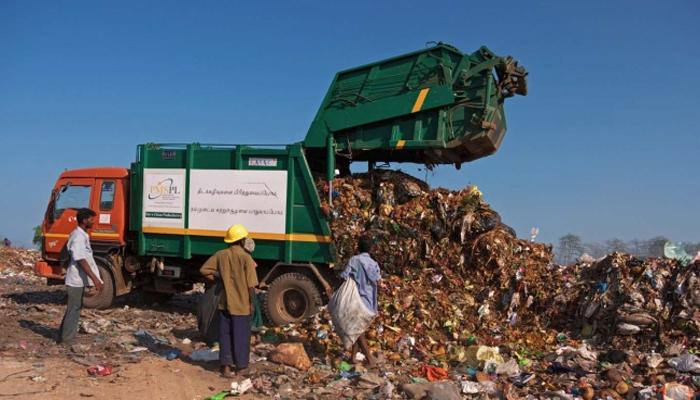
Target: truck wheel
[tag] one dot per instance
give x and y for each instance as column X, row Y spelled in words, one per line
column 292, row 297
column 105, row 297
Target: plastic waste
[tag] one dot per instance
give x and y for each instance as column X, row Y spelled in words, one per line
column 86, row 327
column 171, row 354
column 150, row 340
column 359, row 357
column 101, row 369
column 207, row 311
column 686, row 362
column 601, row 287
column 523, row 379
column 238, row 388
column 204, row 355
column 469, row 387
column 220, row 395
column 582, row 351
column 654, row 360
column 432, row 373
column 256, row 320
column 344, row 366
column 351, row 317
column 627, row 329
column 676, row 391
column 349, row 375
column 677, row 252
column 646, row 394
column 509, row 368
column 489, row 357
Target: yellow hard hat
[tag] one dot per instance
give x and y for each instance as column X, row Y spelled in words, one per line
column 235, row 233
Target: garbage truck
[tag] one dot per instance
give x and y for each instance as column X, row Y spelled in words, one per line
column 159, row 219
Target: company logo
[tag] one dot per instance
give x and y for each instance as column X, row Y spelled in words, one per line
column 164, row 188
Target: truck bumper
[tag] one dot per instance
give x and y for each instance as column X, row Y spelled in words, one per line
column 46, row 270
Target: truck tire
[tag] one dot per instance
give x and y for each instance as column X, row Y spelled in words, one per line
column 292, row 297
column 105, row 297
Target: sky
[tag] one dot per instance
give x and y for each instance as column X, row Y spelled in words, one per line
column 605, row 144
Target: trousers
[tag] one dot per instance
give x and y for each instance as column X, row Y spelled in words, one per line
column 234, row 339
column 71, row 319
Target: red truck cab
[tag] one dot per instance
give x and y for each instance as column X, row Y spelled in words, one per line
column 105, row 191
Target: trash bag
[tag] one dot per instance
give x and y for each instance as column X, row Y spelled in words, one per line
column 350, row 316
column 676, row 391
column 677, row 252
column 256, row 320
column 207, row 321
column 686, row 362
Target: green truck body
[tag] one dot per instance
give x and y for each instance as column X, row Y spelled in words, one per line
column 208, row 180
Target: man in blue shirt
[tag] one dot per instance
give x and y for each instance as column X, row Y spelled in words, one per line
column 366, row 274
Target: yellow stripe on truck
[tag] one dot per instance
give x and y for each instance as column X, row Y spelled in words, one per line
column 93, row 234
column 294, row 237
column 109, row 235
column 56, row 235
column 420, row 100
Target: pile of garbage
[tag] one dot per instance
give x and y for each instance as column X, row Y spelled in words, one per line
column 17, row 265
column 636, row 303
column 453, row 268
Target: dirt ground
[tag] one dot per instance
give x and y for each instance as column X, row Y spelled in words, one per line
column 62, row 378
column 32, row 366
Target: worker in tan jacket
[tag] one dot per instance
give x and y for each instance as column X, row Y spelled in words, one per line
column 236, row 269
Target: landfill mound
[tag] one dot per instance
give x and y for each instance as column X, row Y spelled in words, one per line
column 17, row 264
column 16, row 258
column 454, row 269
column 629, row 301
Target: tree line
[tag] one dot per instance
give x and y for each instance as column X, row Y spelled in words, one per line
column 571, row 247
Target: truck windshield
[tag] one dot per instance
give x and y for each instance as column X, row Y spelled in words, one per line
column 72, row 197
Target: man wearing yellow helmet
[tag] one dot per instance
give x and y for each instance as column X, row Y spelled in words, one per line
column 236, row 269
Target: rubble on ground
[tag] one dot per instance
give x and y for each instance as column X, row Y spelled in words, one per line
column 17, row 265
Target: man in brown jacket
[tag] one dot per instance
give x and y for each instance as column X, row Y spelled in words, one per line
column 236, row 269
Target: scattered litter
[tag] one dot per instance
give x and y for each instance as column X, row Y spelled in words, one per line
column 292, row 354
column 238, row 388
column 100, row 370
column 205, row 355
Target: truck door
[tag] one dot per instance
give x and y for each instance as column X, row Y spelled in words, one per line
column 109, row 205
column 68, row 196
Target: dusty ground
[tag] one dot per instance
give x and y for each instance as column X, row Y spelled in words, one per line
column 64, row 379
column 32, row 366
